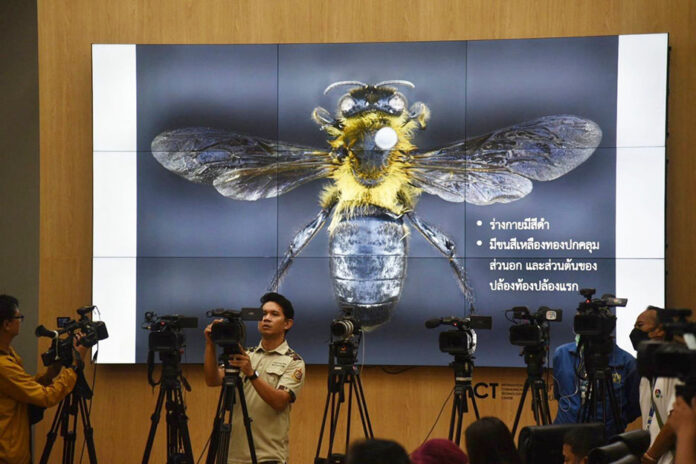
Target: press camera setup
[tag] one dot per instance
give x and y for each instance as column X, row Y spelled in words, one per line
column 230, row 335
column 167, row 338
column 62, row 351
column 346, row 335
column 531, row 332
column 672, row 358
column 460, row 343
column 594, row 323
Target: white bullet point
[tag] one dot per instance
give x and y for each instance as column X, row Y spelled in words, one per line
column 479, row 242
column 479, row 223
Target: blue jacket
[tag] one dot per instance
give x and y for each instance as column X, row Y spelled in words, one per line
column 568, row 388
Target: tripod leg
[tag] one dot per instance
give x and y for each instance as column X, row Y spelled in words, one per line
column 323, row 424
column 473, row 402
column 154, row 419
column 455, row 407
column 88, row 430
column 351, row 386
column 613, row 403
column 217, row 423
column 362, row 405
column 520, row 406
column 247, row 420
column 182, row 425
column 69, row 431
column 52, row 433
column 545, row 411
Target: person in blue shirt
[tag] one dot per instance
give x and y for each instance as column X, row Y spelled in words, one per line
column 569, row 388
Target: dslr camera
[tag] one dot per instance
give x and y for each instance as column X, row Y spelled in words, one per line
column 230, row 334
column 532, row 329
column 462, row 340
column 670, row 358
column 61, row 349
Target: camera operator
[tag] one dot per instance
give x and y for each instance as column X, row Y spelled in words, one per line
column 683, row 422
column 657, row 396
column 273, row 376
column 18, row 389
column 569, row 389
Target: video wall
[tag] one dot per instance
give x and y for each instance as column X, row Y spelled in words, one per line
column 400, row 181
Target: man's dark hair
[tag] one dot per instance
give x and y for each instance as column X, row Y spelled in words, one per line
column 377, row 451
column 8, row 306
column 582, row 439
column 489, row 441
column 281, row 301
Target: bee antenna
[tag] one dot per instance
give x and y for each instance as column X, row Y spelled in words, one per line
column 340, row 83
column 396, row 82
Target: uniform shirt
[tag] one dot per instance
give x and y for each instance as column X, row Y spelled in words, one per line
column 283, row 369
column 17, row 390
column 569, row 390
column 664, row 396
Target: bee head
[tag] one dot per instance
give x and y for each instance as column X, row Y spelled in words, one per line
column 364, row 98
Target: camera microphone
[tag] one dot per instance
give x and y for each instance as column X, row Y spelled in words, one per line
column 85, row 310
column 42, row 331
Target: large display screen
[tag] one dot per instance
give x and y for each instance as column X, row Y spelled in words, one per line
column 399, row 181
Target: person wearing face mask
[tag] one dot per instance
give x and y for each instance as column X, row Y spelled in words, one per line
column 657, row 396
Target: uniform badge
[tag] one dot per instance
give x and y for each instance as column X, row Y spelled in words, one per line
column 298, row 374
column 616, row 377
column 658, row 393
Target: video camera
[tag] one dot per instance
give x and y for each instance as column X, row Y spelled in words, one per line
column 165, row 331
column 61, row 349
column 535, row 332
column 669, row 358
column 594, row 317
column 462, row 340
column 346, row 333
column 230, row 334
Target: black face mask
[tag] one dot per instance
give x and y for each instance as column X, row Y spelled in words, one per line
column 638, row 336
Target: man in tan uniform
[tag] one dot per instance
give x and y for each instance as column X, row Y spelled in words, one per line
column 18, row 389
column 273, row 377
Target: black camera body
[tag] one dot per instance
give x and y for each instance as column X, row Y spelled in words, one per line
column 346, row 333
column 594, row 317
column 669, row 358
column 230, row 334
column 61, row 349
column 462, row 340
column 535, row 331
column 166, row 331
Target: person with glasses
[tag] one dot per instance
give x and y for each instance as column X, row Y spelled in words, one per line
column 19, row 389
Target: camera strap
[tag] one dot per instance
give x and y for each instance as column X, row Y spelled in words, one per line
column 151, row 369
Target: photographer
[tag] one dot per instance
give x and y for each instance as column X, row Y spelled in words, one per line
column 273, row 376
column 683, row 422
column 569, row 388
column 18, row 389
column 657, row 395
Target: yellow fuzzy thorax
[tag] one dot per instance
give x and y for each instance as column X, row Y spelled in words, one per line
column 392, row 191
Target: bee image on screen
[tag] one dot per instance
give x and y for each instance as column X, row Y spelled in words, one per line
column 375, row 175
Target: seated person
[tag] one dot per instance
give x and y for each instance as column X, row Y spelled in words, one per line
column 376, row 451
column 489, row 441
column 577, row 444
column 439, row 451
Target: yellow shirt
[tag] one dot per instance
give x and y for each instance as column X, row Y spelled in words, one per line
column 283, row 369
column 17, row 390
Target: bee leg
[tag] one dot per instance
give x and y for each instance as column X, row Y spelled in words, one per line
column 446, row 246
column 298, row 242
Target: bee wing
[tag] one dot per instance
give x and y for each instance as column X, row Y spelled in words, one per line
column 238, row 166
column 499, row 167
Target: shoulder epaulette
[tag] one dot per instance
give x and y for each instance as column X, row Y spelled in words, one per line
column 293, row 355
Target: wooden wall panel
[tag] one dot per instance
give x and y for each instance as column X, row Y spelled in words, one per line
column 403, row 406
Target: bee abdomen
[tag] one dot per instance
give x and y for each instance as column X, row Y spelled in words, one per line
column 368, row 266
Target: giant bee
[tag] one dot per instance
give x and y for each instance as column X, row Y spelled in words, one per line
column 376, row 175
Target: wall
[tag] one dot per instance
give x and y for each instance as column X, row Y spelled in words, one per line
column 402, row 406
column 19, row 166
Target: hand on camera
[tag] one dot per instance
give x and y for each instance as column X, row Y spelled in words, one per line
column 683, row 418
column 242, row 361
column 209, row 329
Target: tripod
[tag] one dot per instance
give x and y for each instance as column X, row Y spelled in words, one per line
column 222, row 425
column 342, row 371
column 599, row 382
column 463, row 367
column 66, row 420
column 534, row 359
column 178, row 439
